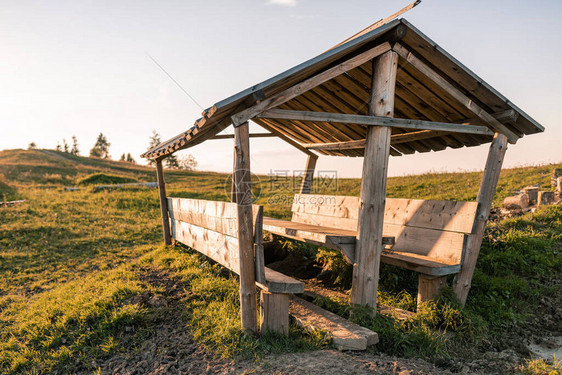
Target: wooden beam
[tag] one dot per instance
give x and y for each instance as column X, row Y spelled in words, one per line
column 374, row 121
column 509, row 115
column 360, row 144
column 258, row 247
column 454, row 92
column 274, row 313
column 163, row 202
column 306, row 184
column 337, row 146
column 256, row 135
column 309, row 84
column 485, row 198
column 373, row 185
column 430, row 287
column 248, row 306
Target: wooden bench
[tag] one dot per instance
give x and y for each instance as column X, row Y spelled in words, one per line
column 211, row 228
column 429, row 236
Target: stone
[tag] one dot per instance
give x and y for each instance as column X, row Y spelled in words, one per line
column 545, row 198
column 532, row 192
column 517, row 202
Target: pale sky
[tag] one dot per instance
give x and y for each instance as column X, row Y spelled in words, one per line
column 80, row 67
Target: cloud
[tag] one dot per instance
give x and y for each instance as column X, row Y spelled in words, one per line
column 285, row 3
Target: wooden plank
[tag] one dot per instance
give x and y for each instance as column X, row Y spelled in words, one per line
column 218, row 216
column 419, row 263
column 309, row 84
column 437, row 244
column 442, row 215
column 375, row 121
column 360, row 144
column 337, row 146
column 485, row 197
column 328, row 210
column 255, row 135
column 163, row 203
column 345, row 334
column 296, row 145
column 415, row 136
column 373, row 185
column 221, row 248
column 276, row 282
column 274, row 313
column 245, row 228
column 327, row 205
column 316, row 233
column 306, row 184
column 453, row 91
column 430, row 287
column 258, row 247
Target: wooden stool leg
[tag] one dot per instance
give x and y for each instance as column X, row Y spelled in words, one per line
column 429, row 287
column 274, row 312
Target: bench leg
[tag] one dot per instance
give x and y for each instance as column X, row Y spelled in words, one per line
column 429, row 287
column 274, row 312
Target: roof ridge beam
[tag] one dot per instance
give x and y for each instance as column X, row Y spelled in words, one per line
column 285, row 114
column 309, row 84
column 454, row 92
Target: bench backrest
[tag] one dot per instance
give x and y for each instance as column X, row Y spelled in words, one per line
column 426, row 227
column 211, row 228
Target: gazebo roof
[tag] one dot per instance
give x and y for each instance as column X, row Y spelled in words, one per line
column 431, row 85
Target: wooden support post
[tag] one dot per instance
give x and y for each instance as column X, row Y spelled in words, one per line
column 274, row 312
column 485, row 198
column 429, row 287
column 373, row 184
column 306, row 184
column 248, row 308
column 163, row 202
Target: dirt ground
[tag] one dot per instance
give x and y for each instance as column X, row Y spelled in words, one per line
column 170, row 349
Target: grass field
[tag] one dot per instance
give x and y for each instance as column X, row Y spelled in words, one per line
column 72, row 283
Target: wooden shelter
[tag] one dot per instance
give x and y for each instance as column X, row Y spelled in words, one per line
column 388, row 90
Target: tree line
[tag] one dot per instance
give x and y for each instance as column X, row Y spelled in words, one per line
column 101, row 150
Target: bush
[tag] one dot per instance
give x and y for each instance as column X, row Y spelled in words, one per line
column 103, row 179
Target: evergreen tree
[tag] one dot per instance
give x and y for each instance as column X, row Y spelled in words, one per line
column 58, row 147
column 65, row 146
column 130, row 159
column 122, row 157
column 74, row 150
column 32, row 146
column 101, row 148
column 154, row 141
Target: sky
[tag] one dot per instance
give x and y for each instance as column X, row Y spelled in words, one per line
column 81, row 67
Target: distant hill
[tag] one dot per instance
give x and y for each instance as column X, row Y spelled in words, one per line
column 49, row 167
column 54, row 167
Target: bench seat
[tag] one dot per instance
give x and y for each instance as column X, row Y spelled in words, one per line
column 332, row 238
column 420, row 263
column 276, row 282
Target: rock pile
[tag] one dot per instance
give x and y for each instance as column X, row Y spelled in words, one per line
column 530, row 197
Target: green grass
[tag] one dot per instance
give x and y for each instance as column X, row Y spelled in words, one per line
column 539, row 366
column 102, row 178
column 7, row 192
column 69, row 264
